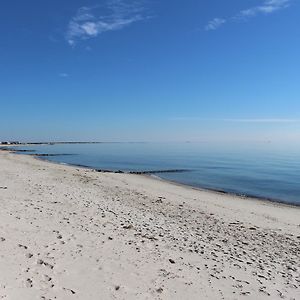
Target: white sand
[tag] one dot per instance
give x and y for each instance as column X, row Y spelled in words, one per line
column 69, row 233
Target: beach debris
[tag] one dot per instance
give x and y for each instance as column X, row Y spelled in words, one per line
column 28, row 255
column 42, row 262
column 172, row 261
column 152, row 238
column 128, row 226
column 71, row 291
column 3, row 187
column 22, row 246
column 29, row 283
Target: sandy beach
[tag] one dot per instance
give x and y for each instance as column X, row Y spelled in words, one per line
column 72, row 233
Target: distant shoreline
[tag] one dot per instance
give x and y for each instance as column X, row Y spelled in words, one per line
column 12, row 144
column 45, row 143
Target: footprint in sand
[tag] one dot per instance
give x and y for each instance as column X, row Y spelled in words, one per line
column 29, row 283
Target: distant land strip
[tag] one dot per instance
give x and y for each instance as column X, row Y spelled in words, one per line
column 60, row 143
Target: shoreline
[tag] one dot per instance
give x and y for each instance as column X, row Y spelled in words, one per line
column 69, row 232
column 222, row 192
column 145, row 173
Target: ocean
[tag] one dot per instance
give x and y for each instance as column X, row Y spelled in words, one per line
column 264, row 170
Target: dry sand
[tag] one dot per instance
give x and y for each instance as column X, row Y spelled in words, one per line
column 70, row 233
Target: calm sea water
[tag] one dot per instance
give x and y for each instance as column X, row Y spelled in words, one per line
column 263, row 170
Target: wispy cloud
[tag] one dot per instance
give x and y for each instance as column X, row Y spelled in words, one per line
column 266, row 120
column 90, row 22
column 266, row 7
column 215, row 24
column 243, row 120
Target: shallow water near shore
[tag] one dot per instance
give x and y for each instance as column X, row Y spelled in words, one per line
column 264, row 170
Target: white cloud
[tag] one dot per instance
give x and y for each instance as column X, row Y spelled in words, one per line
column 90, row 22
column 90, row 28
column 266, row 7
column 215, row 24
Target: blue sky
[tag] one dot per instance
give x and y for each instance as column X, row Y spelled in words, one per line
column 150, row 70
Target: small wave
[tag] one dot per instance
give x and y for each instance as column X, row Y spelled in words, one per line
column 156, row 177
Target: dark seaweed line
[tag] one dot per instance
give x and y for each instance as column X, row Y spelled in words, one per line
column 43, row 154
column 144, row 172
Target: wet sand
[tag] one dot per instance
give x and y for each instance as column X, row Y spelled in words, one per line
column 72, row 233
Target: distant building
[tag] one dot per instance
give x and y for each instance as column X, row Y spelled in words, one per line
column 15, row 143
column 10, row 143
